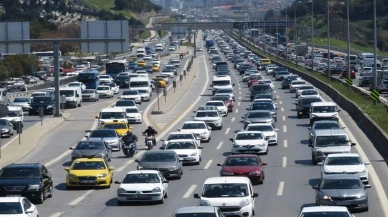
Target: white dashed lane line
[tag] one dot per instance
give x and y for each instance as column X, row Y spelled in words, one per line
column 220, row 145
column 208, row 164
column 232, row 119
column 284, row 128
column 189, row 191
column 283, row 118
column 236, row 111
column 227, row 130
column 285, row 143
column 280, row 189
column 284, row 163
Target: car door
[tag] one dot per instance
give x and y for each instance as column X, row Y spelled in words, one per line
column 198, row 149
column 27, row 205
column 46, row 179
column 165, row 185
column 108, row 150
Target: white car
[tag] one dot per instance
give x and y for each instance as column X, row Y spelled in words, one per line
column 324, row 211
column 147, row 57
column 171, row 48
column 222, row 109
column 167, row 72
column 199, row 128
column 295, row 84
column 188, row 150
column 349, row 163
column 77, row 84
column 270, row 133
column 105, row 78
column 18, row 207
column 323, row 110
column 134, row 115
column 131, row 94
column 233, row 192
column 303, row 87
column 105, row 91
column 212, row 118
column 181, row 135
column 309, row 94
column 114, row 87
column 142, row 185
column 145, row 94
column 249, row 142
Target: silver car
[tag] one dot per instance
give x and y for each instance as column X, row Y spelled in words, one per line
column 109, row 136
column 21, row 101
column 342, row 190
column 6, row 128
column 322, row 125
column 91, row 149
column 198, row 211
column 258, row 116
column 90, row 95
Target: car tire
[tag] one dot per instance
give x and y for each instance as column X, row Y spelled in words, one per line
column 166, row 195
column 41, row 197
column 253, row 213
column 299, row 115
column 314, row 160
column 51, row 192
column 79, row 105
column 120, row 203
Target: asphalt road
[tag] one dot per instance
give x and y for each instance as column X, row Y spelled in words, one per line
column 289, row 174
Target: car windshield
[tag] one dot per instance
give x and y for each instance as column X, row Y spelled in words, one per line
column 102, row 133
column 308, row 101
column 263, row 96
column 325, row 214
column 221, row 83
column 214, row 104
column 125, row 103
column 180, row 145
column 104, row 76
column 326, row 141
column 262, row 106
column 224, row 91
column 21, row 100
column 74, row 85
column 103, row 88
column 19, row 173
column 130, row 92
column 342, row 161
column 249, row 136
column 88, row 165
column 110, row 84
column 259, row 115
column 132, row 110
column 67, row 93
column 341, row 184
column 324, row 109
column 309, row 92
column 89, row 146
column 241, row 161
column 88, row 91
column 221, row 98
column 137, row 84
column 260, row 87
column 10, row 208
column 112, row 115
column 123, row 78
column 13, row 114
column 206, row 114
column 115, row 126
column 326, row 126
column 225, row 190
column 159, row 157
column 193, row 126
column 193, row 214
column 142, row 178
column 180, row 136
column 142, row 91
column 262, row 128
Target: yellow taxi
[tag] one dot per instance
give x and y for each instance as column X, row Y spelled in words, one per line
column 89, row 172
column 265, row 61
column 141, row 63
column 160, row 82
column 155, row 68
column 120, row 126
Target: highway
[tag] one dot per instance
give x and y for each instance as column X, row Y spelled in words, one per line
column 289, row 174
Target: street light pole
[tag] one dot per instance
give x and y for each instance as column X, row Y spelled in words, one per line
column 312, row 35
column 375, row 46
column 348, row 44
column 328, row 40
column 286, row 33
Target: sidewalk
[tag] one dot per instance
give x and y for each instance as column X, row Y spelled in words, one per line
column 13, row 151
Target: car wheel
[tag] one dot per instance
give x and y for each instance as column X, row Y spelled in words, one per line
column 51, row 192
column 41, row 197
column 166, row 195
column 253, row 213
column 79, row 105
column 120, row 203
column 314, row 160
column 299, row 115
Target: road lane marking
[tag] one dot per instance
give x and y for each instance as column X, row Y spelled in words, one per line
column 280, row 102
column 274, row 91
column 236, row 111
column 220, row 145
column 189, row 191
column 282, row 109
column 285, row 143
column 283, row 118
column 284, row 128
column 239, row 103
column 57, row 214
column 227, row 130
column 232, row 119
column 239, row 93
column 208, row 164
column 239, row 88
column 277, row 96
column 79, row 199
column 280, row 189
column 284, row 163
column 125, row 165
column 239, row 97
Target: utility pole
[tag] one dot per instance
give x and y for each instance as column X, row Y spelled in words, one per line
column 348, row 38
column 312, row 35
column 328, row 40
column 375, row 46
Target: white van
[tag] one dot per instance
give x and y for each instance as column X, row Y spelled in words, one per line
column 159, row 47
column 111, row 114
column 221, row 81
column 15, row 114
column 141, row 52
column 143, row 85
column 73, row 96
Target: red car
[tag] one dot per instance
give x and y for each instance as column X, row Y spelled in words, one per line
column 228, row 101
column 252, row 79
column 248, row 165
column 344, row 74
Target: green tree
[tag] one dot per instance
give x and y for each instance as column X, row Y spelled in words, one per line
column 270, row 13
column 4, row 75
column 120, row 4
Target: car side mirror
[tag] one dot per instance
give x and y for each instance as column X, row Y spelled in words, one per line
column 233, row 85
column 194, row 111
column 366, row 163
column 179, row 129
column 310, row 145
column 166, row 181
column 111, row 168
column 67, row 169
column 353, row 144
column 320, row 163
column 45, row 176
column 243, row 117
column 264, row 164
column 232, row 140
column 315, row 187
column 295, row 103
column 137, row 161
column 255, row 195
column 96, row 117
column 71, row 148
column 117, row 182
column 339, row 110
column 30, row 210
column 200, row 147
column 196, row 196
column 209, row 128
column 247, row 109
column 211, row 85
column 276, row 129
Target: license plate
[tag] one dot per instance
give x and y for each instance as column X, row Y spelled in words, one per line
column 342, row 203
column 87, row 181
column 227, row 213
column 14, row 195
column 250, row 152
column 137, row 196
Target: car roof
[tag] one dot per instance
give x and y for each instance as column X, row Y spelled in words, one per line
column 179, row 133
column 143, row 171
column 194, row 122
column 114, row 109
column 325, row 208
column 23, row 165
column 325, row 121
column 342, row 176
column 214, row 101
column 182, row 140
column 10, row 199
column 196, row 209
column 242, row 155
column 259, row 124
column 344, row 155
column 89, row 159
column 241, row 132
column 229, row 179
column 158, row 152
column 323, row 104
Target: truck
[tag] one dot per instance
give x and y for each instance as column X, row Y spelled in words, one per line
column 302, row 49
column 209, row 43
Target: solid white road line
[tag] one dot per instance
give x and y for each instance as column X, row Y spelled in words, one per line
column 280, row 102
column 208, row 164
column 79, row 199
column 283, row 118
column 284, row 128
column 220, row 145
column 227, row 130
column 284, row 163
column 189, row 191
column 57, row 214
column 285, row 143
column 239, row 97
column 236, row 111
column 280, row 189
column 282, row 109
column 232, row 119
column 239, row 103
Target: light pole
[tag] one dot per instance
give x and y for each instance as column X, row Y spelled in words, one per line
column 286, row 33
column 312, row 35
column 296, row 31
column 348, row 38
column 277, row 35
column 375, row 46
column 328, row 40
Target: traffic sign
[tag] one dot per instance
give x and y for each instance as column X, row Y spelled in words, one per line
column 239, row 25
column 349, row 81
column 375, row 95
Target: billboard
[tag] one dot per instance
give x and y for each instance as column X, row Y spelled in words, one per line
column 193, row 3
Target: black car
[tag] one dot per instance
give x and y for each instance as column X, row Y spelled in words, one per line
column 47, row 102
column 30, row 180
column 122, row 81
column 260, row 89
column 167, row 162
column 303, row 105
column 244, row 68
column 287, row 82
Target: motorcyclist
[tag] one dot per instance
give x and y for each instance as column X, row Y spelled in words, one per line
column 150, row 131
column 129, row 138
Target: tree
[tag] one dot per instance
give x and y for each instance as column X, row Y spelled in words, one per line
column 270, row 13
column 4, row 74
column 120, row 4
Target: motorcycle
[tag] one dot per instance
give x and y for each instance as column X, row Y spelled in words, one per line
column 129, row 149
column 150, row 142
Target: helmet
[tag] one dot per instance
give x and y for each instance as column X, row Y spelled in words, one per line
column 129, row 133
column 150, row 128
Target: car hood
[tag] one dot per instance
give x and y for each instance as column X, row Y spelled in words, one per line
column 343, row 192
column 329, row 114
column 346, row 168
column 334, row 149
column 88, row 153
column 10, row 119
column 13, row 215
column 206, row 118
column 224, row 201
column 268, row 134
column 249, row 142
column 19, row 182
column 87, row 172
column 157, row 165
column 241, row 169
column 195, row 131
column 259, row 120
column 41, row 104
column 140, row 186
column 19, row 104
column 184, row 151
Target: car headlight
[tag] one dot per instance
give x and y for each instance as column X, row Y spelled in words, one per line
column 140, row 167
column 102, row 175
column 203, row 133
column 226, row 173
column 204, row 203
column 72, row 176
column 121, row 190
column 360, row 196
column 173, row 168
column 156, row 190
column 324, row 197
column 255, row 173
column 261, row 144
column 50, row 106
column 235, row 145
column 364, row 172
column 194, row 154
column 244, row 203
column 34, row 188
